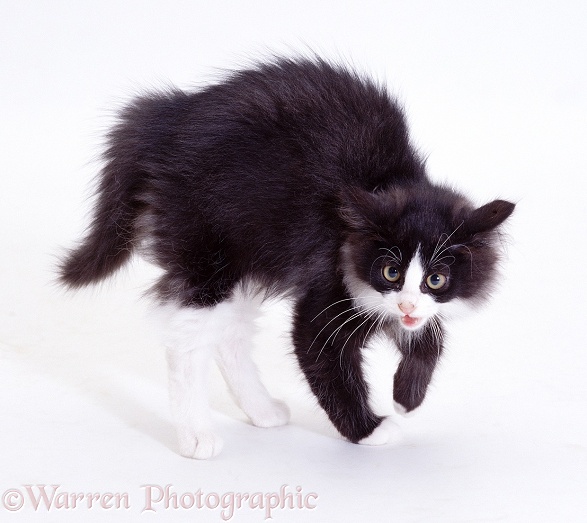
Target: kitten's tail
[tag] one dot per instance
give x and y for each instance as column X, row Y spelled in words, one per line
column 108, row 244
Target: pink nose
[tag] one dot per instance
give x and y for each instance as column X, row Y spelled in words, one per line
column 406, row 307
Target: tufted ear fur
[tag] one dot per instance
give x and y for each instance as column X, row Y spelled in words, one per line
column 488, row 216
column 368, row 212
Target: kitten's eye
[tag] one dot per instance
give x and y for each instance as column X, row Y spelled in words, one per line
column 390, row 273
column 436, row 281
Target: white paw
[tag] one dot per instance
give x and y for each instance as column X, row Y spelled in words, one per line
column 199, row 445
column 272, row 414
column 401, row 410
column 387, row 433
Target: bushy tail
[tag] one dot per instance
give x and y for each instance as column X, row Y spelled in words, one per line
column 135, row 147
column 109, row 242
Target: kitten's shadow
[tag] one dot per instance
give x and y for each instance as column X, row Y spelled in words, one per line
column 125, row 371
column 113, row 365
column 134, row 411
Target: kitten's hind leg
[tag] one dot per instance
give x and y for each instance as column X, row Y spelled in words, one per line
column 237, row 367
column 190, row 338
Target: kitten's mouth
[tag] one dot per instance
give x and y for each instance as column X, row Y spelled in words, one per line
column 410, row 322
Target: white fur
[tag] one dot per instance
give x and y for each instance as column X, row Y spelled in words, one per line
column 456, row 308
column 387, row 433
column 193, row 336
column 378, row 366
column 401, row 410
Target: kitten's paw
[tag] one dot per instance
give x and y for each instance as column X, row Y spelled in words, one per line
column 273, row 414
column 401, row 410
column 199, row 445
column 388, row 433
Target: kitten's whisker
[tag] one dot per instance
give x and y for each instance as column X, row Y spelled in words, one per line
column 381, row 316
column 450, row 257
column 355, row 315
column 393, row 260
column 335, row 332
column 470, row 255
column 387, row 256
column 392, row 254
column 369, row 316
column 463, row 246
column 356, row 308
column 405, row 340
column 338, row 315
column 340, row 301
column 438, row 247
column 447, row 248
column 351, row 335
column 438, row 334
column 331, row 305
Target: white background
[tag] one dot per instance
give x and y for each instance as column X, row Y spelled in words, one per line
column 496, row 96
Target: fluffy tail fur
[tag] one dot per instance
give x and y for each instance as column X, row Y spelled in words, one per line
column 109, row 242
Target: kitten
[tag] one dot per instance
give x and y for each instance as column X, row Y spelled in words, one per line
column 292, row 178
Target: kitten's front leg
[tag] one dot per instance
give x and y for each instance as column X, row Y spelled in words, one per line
column 419, row 357
column 328, row 336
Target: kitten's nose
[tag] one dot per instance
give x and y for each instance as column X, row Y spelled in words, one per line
column 406, row 307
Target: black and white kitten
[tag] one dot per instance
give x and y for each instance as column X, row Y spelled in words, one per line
column 293, row 178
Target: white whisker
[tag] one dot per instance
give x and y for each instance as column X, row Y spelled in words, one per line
column 351, row 334
column 340, row 314
column 438, row 261
column 382, row 316
column 354, row 307
column 438, row 247
column 390, row 256
column 437, row 332
column 397, row 257
column 355, row 315
column 332, row 305
column 335, row 332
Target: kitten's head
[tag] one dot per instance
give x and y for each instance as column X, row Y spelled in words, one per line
column 416, row 253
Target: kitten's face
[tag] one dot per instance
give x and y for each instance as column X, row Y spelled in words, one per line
column 411, row 292
column 412, row 258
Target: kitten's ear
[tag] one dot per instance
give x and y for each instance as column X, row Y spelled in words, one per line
column 354, row 207
column 489, row 216
column 362, row 211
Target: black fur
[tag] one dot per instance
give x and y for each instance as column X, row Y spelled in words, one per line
column 265, row 176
